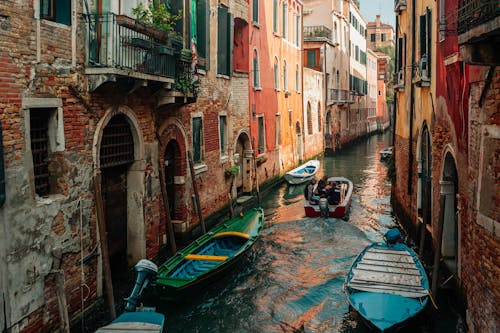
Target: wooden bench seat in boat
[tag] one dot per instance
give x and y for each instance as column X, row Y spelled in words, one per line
column 193, row 256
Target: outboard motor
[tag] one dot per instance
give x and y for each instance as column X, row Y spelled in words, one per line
column 323, row 207
column 145, row 271
column 392, row 236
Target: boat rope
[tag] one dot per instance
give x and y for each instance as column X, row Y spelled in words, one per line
column 432, row 300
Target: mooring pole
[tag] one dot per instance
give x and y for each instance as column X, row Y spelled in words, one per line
column 170, row 227
column 196, row 195
column 101, row 223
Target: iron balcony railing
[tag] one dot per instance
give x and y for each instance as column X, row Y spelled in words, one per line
column 317, row 32
column 339, row 96
column 117, row 41
column 472, row 13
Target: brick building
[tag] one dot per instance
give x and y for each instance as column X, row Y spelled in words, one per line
column 379, row 34
column 90, row 98
column 445, row 143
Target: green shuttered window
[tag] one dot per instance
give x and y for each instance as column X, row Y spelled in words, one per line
column 2, row 170
column 202, row 32
column 224, row 41
column 255, row 11
column 56, row 10
column 197, row 139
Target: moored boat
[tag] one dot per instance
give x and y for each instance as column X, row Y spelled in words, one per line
column 387, row 284
column 302, row 173
column 315, row 207
column 142, row 320
column 209, row 256
column 386, row 153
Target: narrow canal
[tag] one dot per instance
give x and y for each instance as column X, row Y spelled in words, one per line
column 292, row 280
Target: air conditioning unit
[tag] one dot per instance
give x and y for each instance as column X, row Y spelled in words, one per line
column 424, row 73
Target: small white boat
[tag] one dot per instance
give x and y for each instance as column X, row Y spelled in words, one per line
column 302, row 173
column 386, row 153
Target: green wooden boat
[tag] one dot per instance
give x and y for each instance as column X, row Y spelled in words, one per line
column 208, row 256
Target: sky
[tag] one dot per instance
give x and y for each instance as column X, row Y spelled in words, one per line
column 370, row 8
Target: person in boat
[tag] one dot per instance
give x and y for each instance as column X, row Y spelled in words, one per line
column 321, row 188
column 333, row 194
column 309, row 191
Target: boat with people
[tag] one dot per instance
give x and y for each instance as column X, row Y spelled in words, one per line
column 387, row 284
column 209, row 256
column 324, row 205
column 302, row 173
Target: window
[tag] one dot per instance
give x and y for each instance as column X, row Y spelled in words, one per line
column 309, row 119
column 356, row 53
column 285, row 20
column 277, row 129
column 175, row 7
column 319, row 117
column 275, row 16
column 40, row 149
column 340, row 121
column 297, row 79
column 383, row 37
column 335, row 32
column 297, row 30
column 197, row 139
column 2, row 171
column 276, row 74
column 312, row 59
column 224, row 45
column 285, row 77
column 262, row 135
column 256, row 70
column 56, row 10
column 337, row 80
column 223, row 134
column 372, row 37
column 442, row 20
column 425, row 40
column 255, row 11
column 290, row 111
column 202, row 31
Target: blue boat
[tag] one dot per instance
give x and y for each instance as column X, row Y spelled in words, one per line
column 135, row 320
column 387, row 285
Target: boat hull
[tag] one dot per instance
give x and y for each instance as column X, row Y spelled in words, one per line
column 336, row 211
column 303, row 173
column 387, row 286
column 208, row 257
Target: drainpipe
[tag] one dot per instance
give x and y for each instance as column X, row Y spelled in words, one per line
column 412, row 100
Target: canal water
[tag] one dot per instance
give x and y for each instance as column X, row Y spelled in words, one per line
column 292, row 280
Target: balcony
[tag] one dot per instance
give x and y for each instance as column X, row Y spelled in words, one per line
column 118, row 47
column 339, row 96
column 317, row 33
column 478, row 27
column 399, row 5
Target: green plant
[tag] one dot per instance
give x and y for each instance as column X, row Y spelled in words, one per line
column 232, row 171
column 157, row 15
column 186, row 83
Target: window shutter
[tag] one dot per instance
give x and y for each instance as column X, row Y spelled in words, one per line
column 423, row 35
column 63, row 11
column 255, row 11
column 275, row 15
column 201, row 28
column 429, row 40
column 175, row 6
column 197, row 139
column 400, row 53
column 222, row 41
column 2, row 171
column 230, row 46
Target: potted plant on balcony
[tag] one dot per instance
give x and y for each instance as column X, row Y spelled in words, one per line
column 155, row 20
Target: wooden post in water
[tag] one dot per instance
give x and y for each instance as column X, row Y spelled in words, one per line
column 256, row 178
column 196, row 195
column 447, row 188
column 101, row 223
column 426, row 209
column 170, row 227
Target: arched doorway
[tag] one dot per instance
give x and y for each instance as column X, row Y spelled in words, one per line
column 243, row 158
column 425, row 177
column 449, row 184
column 172, row 152
column 298, row 139
column 116, row 155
